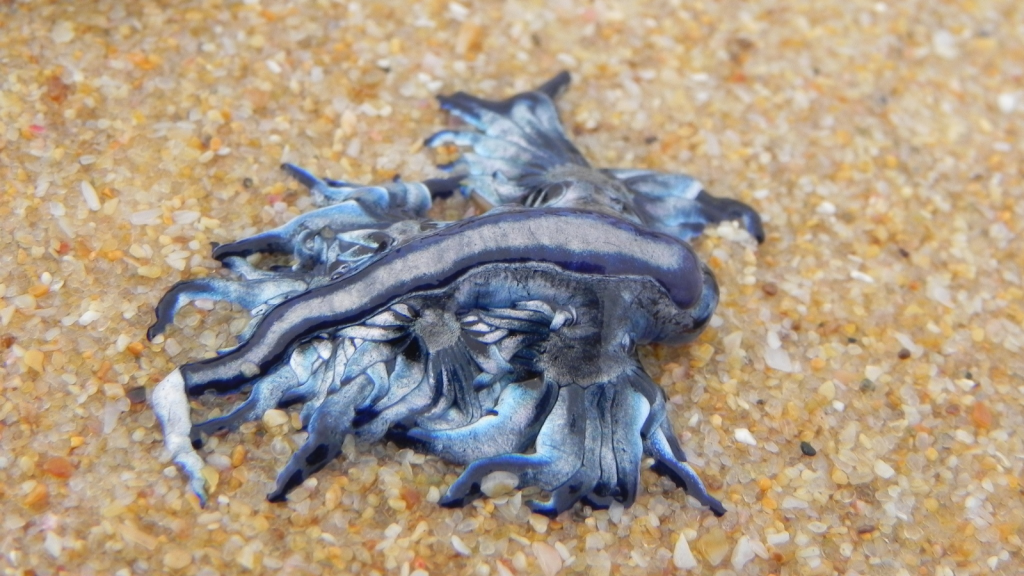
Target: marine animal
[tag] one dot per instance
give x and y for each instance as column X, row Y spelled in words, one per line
column 504, row 342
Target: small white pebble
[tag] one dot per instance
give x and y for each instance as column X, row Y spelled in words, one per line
column 564, row 552
column 111, row 413
column 204, row 304
column 274, row 418
column 89, row 317
column 539, row 523
column 1007, row 102
column 460, row 546
column 732, row 342
column 53, row 544
column 682, row 557
column 793, row 503
column 777, row 539
column 826, row 208
column 498, row 483
column 778, row 359
column 92, row 200
column 873, row 373
column 185, row 216
column 817, row 527
column 25, row 301
column 884, row 470
column 62, row 32
column 615, row 512
column 548, row 558
column 143, row 217
column 219, row 461
column 858, row 275
column 944, row 44
column 433, row 495
column 744, row 436
column 742, row 553
column 172, row 347
column 759, row 549
column 458, row 11
column 964, row 436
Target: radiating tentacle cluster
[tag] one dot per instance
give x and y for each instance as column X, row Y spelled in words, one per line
column 518, row 153
column 504, row 342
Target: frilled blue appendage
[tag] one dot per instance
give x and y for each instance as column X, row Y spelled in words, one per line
column 505, row 342
column 519, row 154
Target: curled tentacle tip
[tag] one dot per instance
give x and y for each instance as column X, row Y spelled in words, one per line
column 457, row 497
column 292, row 169
column 717, row 508
column 286, row 483
column 752, row 222
column 435, row 139
column 198, row 487
column 220, row 253
column 193, row 468
column 556, row 85
column 305, row 177
column 449, row 501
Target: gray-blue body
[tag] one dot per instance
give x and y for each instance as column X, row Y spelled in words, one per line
column 505, row 342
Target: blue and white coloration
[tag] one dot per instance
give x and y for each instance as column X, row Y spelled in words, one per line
column 503, row 342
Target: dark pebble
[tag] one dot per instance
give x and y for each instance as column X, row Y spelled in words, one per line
column 770, row 289
column 136, row 395
column 903, row 354
column 807, row 449
column 247, row 183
